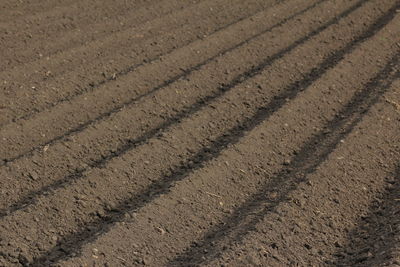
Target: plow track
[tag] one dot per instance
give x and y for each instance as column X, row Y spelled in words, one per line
column 200, row 133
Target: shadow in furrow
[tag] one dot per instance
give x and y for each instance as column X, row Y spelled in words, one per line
column 31, row 197
column 378, row 233
column 311, row 155
column 96, row 84
column 166, row 83
column 74, row 242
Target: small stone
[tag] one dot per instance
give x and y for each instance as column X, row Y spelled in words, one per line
column 162, row 231
column 34, row 176
column 273, row 195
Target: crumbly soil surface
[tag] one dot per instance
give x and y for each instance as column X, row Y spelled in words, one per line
column 200, row 133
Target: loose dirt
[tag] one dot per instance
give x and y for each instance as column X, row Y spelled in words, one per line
column 200, row 133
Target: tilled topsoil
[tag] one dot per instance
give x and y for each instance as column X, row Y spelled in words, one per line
column 200, row 133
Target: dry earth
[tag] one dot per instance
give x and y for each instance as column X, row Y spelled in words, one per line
column 200, row 133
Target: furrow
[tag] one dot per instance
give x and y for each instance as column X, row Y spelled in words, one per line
column 78, row 70
column 150, row 230
column 70, row 207
column 96, row 105
column 253, row 222
column 65, row 161
column 25, row 49
column 374, row 239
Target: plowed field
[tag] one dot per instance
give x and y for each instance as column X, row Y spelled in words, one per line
column 200, row 133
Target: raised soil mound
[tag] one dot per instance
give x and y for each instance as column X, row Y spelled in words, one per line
column 200, row 133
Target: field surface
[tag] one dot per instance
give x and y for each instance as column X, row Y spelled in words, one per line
column 200, row 133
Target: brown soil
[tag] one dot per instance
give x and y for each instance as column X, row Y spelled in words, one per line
column 200, row 133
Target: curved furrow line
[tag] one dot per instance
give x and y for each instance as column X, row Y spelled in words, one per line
column 119, row 144
column 146, row 24
column 241, row 224
column 85, row 190
column 35, row 50
column 332, row 199
column 124, row 138
column 144, row 79
column 324, row 200
column 94, row 72
column 151, row 231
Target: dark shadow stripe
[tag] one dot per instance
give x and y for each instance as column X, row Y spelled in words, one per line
column 377, row 233
column 166, row 83
column 311, row 155
column 73, row 243
column 31, row 197
column 96, row 84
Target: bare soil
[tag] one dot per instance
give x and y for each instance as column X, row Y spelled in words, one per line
column 200, row 133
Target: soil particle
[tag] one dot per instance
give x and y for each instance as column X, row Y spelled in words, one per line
column 200, row 133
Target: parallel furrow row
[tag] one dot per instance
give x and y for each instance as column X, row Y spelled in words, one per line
column 121, row 133
column 147, row 79
column 160, row 154
column 230, row 178
column 26, row 46
column 77, row 70
column 253, row 221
